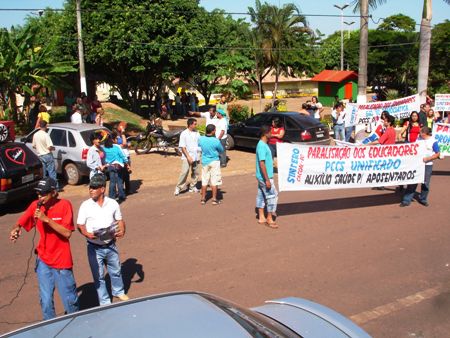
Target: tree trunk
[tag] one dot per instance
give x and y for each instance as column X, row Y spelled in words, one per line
column 363, row 48
column 12, row 106
column 424, row 53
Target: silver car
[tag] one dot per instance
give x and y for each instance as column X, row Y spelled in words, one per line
column 198, row 315
column 71, row 142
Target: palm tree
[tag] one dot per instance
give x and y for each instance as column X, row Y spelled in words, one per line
column 425, row 45
column 276, row 24
column 363, row 6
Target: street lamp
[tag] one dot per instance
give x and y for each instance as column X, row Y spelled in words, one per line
column 341, row 8
column 348, row 31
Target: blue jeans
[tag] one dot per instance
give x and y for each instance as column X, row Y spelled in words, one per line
column 63, row 279
column 98, row 256
column 339, row 132
column 115, row 183
column 267, row 198
column 48, row 164
column 348, row 133
column 425, row 189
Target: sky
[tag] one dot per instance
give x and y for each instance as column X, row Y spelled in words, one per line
column 326, row 25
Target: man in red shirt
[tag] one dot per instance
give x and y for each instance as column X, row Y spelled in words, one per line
column 53, row 218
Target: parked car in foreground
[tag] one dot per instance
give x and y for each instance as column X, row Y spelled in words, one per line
column 298, row 129
column 198, row 315
column 20, row 168
column 71, row 142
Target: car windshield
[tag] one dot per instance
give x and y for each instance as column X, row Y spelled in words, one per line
column 257, row 325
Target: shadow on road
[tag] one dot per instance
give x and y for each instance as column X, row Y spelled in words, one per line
column 87, row 295
column 284, row 209
column 441, row 173
column 130, row 268
column 135, row 185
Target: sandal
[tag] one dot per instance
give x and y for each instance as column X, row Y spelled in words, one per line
column 203, row 202
column 216, row 202
column 272, row 225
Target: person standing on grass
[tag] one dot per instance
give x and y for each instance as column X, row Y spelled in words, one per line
column 189, row 159
column 53, row 218
column 211, row 175
column 267, row 195
column 100, row 221
column 432, row 154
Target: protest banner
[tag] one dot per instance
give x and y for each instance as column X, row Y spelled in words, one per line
column 442, row 102
column 441, row 133
column 302, row 167
column 369, row 113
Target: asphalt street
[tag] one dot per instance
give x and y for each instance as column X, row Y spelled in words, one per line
column 354, row 250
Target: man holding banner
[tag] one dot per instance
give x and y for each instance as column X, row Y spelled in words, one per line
column 432, row 153
column 267, row 195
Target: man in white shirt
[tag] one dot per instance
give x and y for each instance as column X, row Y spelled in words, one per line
column 44, row 147
column 190, row 158
column 221, row 134
column 338, row 116
column 100, row 221
column 76, row 117
column 210, row 116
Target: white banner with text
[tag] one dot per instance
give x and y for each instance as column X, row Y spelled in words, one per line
column 442, row 102
column 369, row 113
column 302, row 167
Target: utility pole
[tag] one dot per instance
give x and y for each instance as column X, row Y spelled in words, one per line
column 341, row 8
column 83, row 86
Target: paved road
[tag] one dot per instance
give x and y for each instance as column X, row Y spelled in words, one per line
column 388, row 268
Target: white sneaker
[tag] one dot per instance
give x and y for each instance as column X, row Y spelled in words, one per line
column 177, row 191
column 194, row 189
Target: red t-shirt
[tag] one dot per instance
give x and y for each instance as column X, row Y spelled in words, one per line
column 53, row 249
column 414, row 132
column 273, row 132
column 388, row 137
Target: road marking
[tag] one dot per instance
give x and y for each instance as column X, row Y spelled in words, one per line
column 399, row 304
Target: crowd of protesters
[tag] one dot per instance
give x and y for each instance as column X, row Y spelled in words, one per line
column 100, row 220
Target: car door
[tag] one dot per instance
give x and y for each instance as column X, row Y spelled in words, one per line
column 59, row 139
column 250, row 133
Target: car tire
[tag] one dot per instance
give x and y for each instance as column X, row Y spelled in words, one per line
column 229, row 143
column 4, row 132
column 72, row 174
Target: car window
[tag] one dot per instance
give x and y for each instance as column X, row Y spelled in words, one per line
column 58, row 137
column 256, row 121
column 86, row 134
column 72, row 142
column 289, row 124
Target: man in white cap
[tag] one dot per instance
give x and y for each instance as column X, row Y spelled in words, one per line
column 100, row 221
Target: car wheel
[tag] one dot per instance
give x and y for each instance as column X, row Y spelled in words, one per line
column 4, row 133
column 229, row 143
column 72, row 174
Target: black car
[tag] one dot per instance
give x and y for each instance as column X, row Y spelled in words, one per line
column 20, row 168
column 298, row 128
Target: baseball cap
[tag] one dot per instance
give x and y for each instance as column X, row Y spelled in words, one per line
column 46, row 185
column 221, row 112
column 97, row 181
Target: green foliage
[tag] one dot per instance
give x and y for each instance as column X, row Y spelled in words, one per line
column 391, row 94
column 439, row 60
column 24, row 63
column 238, row 112
column 398, row 22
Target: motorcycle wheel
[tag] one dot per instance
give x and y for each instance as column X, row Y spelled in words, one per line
column 143, row 147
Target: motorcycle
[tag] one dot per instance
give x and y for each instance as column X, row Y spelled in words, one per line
column 156, row 137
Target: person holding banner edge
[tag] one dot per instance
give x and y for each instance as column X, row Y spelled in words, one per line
column 432, row 154
column 267, row 195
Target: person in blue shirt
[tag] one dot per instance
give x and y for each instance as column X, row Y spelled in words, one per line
column 116, row 160
column 267, row 195
column 211, row 175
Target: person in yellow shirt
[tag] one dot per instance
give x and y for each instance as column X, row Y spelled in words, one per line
column 42, row 116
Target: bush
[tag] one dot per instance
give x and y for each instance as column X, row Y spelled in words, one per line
column 238, row 113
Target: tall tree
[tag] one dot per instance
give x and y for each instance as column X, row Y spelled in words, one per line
column 363, row 6
column 398, row 22
column 425, row 45
column 278, row 24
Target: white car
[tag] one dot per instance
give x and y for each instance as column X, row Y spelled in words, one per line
column 71, row 142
